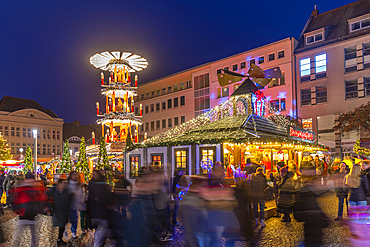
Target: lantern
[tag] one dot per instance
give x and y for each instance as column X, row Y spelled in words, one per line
column 145, row 136
column 135, row 80
column 97, row 108
column 102, row 78
column 141, row 110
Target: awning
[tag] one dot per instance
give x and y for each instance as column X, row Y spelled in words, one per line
column 10, row 162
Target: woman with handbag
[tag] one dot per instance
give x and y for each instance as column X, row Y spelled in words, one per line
column 258, row 186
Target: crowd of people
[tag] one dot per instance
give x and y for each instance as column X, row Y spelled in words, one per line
column 211, row 208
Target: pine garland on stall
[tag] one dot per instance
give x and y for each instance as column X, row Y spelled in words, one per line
column 28, row 164
column 82, row 164
column 4, row 149
column 66, row 166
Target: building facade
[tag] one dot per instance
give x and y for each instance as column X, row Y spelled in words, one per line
column 333, row 71
column 172, row 100
column 19, row 117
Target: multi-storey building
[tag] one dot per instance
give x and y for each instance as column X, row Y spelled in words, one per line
column 174, row 99
column 333, row 70
column 19, row 117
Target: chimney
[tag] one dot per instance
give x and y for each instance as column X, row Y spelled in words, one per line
column 77, row 123
column 315, row 12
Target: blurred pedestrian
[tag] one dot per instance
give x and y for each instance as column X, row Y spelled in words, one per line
column 29, row 199
column 358, row 189
column 243, row 210
column 76, row 193
column 85, row 223
column 59, row 208
column 365, row 166
column 2, row 179
column 178, row 184
column 7, row 186
column 258, row 186
column 340, row 191
column 288, row 186
column 275, row 177
column 307, row 210
column 99, row 198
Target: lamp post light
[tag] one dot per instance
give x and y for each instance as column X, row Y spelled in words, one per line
column 35, row 152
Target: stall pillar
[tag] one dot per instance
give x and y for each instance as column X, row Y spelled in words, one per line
column 193, row 159
column 272, row 159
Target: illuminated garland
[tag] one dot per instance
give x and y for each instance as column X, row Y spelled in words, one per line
column 360, row 150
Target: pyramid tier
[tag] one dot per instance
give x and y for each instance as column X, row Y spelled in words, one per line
column 119, row 118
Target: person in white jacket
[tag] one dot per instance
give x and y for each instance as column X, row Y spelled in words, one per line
column 75, row 190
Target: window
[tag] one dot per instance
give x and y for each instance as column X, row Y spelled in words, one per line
column 157, row 159
column 12, row 148
column 305, row 67
column 1, row 129
column 48, row 133
column 147, row 126
column 253, row 61
column 175, row 102
column 158, row 124
column 274, row 104
column 24, row 132
column 280, row 54
column 207, row 153
column 235, row 67
column 320, row 64
column 152, row 125
column 360, row 24
column 43, row 133
column 242, row 65
column 58, row 135
column 261, row 60
column 218, row 71
column 163, row 91
column 188, row 84
column 12, row 131
column 163, row 105
column 169, row 90
column 134, row 165
column 17, row 147
column 48, row 148
column 181, row 158
column 176, row 120
column 43, row 148
column 142, row 127
column 18, row 131
column 142, row 97
column 169, row 103
column 147, row 95
column 226, row 68
column 6, row 131
column 53, row 149
column 201, row 81
column 175, row 88
column 282, row 105
column 53, row 134
column 182, row 119
column 157, row 106
column 350, row 59
column 366, row 51
column 182, row 100
column 29, row 133
column 152, row 94
column 351, row 89
column 223, row 92
column 306, row 97
column 314, row 38
column 38, row 147
column 146, row 109
column 170, row 123
column 271, row 56
column 182, row 86
column 367, row 86
column 151, row 107
column 321, row 94
column 137, row 111
column 164, row 123
column 158, row 92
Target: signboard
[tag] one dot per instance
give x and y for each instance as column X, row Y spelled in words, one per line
column 300, row 134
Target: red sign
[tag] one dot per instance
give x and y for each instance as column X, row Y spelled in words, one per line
column 301, row 134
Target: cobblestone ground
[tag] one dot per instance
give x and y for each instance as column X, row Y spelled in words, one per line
column 280, row 234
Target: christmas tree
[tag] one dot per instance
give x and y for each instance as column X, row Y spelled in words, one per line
column 66, row 159
column 128, row 140
column 103, row 157
column 82, row 164
column 28, row 164
column 4, row 149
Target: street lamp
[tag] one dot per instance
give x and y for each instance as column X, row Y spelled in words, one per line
column 35, row 152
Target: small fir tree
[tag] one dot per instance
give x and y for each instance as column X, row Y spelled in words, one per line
column 128, row 140
column 4, row 149
column 66, row 165
column 28, row 164
column 82, row 164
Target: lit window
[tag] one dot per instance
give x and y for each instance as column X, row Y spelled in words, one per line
column 134, row 165
column 320, row 63
column 261, row 60
column 351, row 89
column 157, row 159
column 305, row 65
column 274, row 104
column 181, row 158
column 208, row 153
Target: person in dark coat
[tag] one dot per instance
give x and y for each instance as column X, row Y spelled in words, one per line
column 7, row 186
column 307, row 210
column 2, row 179
column 59, row 207
column 340, row 191
column 365, row 166
column 100, row 197
column 243, row 210
column 258, row 186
